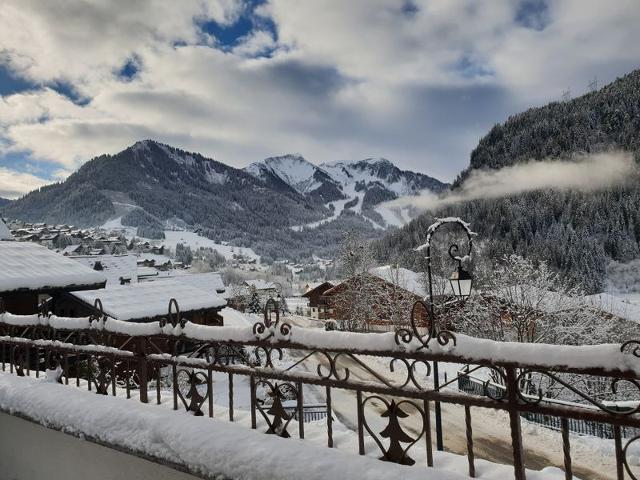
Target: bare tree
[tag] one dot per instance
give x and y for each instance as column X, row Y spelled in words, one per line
column 355, row 300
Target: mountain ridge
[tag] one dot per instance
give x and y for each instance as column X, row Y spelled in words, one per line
column 169, row 186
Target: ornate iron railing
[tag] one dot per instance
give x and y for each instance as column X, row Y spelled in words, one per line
column 476, row 386
column 387, row 374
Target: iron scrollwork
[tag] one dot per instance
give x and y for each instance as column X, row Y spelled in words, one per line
column 188, row 391
column 535, row 395
column 271, row 325
column 275, row 414
column 406, row 336
column 394, row 432
column 625, row 459
column 102, row 371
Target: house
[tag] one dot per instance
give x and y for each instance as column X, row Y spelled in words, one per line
column 31, row 273
column 263, row 288
column 317, row 306
column 146, row 302
column 119, row 269
column 390, row 294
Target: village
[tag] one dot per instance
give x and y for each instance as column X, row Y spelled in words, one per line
column 319, row 240
column 105, row 282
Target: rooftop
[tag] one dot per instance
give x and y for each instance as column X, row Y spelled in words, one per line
column 208, row 282
column 28, row 266
column 259, row 284
column 113, row 267
column 150, row 299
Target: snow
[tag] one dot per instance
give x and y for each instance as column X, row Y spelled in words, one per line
column 150, row 299
column 406, row 279
column 114, row 267
column 216, row 447
column 195, row 241
column 26, row 265
column 5, row 234
column 337, row 206
column 294, row 170
column 234, row 318
column 623, row 308
column 260, row 284
column 207, row 282
column 209, row 446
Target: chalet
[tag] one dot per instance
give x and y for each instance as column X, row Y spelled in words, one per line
column 317, row 306
column 263, row 288
column 31, row 273
column 146, row 302
column 391, row 294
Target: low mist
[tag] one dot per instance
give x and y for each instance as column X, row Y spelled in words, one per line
column 589, row 172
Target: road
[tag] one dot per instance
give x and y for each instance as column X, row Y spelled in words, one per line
column 491, row 435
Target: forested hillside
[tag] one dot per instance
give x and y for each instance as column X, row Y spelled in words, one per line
column 578, row 233
column 597, row 121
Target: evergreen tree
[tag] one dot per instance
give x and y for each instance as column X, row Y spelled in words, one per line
column 254, row 302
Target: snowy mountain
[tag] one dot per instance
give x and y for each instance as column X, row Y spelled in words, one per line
column 301, row 176
column 359, row 186
column 153, row 186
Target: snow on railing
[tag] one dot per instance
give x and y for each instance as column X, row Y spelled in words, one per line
column 279, row 361
column 607, row 357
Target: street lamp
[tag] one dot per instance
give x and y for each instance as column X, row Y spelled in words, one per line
column 461, row 282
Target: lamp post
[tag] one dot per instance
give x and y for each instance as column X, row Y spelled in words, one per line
column 460, row 282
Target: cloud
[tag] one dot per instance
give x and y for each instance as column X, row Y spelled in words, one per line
column 418, row 83
column 14, row 184
column 590, row 172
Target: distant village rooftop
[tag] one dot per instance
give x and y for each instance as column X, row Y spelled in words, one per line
column 27, row 266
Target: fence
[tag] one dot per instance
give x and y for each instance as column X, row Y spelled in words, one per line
column 475, row 386
column 388, row 371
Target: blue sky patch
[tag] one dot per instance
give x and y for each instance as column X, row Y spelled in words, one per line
column 10, row 83
column 229, row 36
column 22, row 163
column 533, row 14
column 470, row 68
column 129, row 70
column 69, row 91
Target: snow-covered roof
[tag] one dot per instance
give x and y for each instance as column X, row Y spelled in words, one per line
column 259, row 284
column 406, row 279
column 5, row 234
column 208, row 282
column 114, row 267
column 147, row 272
column 150, row 299
column 70, row 249
column 29, row 266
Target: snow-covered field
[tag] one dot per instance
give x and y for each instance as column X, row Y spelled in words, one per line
column 195, row 241
column 192, row 239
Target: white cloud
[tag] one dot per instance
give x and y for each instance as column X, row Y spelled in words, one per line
column 14, row 184
column 585, row 173
column 346, row 80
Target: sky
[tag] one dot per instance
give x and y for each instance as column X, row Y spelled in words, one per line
column 417, row 82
